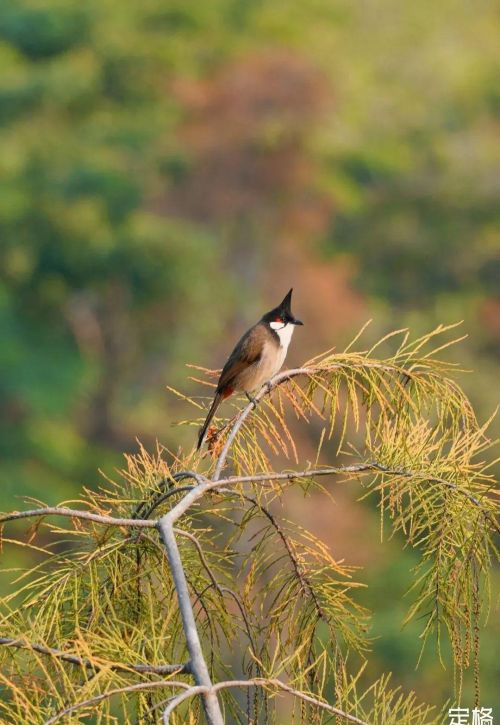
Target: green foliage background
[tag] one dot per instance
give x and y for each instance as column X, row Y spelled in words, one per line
column 169, row 168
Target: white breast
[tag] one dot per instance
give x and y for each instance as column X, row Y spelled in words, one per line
column 271, row 359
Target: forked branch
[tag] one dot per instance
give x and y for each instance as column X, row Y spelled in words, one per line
column 268, row 684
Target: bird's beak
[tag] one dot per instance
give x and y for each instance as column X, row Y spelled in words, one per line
column 296, row 322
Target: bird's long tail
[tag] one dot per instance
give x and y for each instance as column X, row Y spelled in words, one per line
column 213, row 408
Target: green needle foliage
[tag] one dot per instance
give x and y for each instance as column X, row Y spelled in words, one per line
column 95, row 626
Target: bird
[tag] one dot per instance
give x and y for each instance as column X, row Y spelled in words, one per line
column 258, row 356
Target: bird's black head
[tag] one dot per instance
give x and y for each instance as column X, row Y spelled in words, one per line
column 282, row 313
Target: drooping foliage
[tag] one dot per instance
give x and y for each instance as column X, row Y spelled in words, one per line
column 95, row 626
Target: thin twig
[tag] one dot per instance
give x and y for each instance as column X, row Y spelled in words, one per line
column 117, row 691
column 292, row 475
column 194, row 540
column 94, row 665
column 243, row 613
column 162, row 495
column 305, row 585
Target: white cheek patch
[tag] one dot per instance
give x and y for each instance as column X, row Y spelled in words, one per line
column 277, row 325
column 285, row 335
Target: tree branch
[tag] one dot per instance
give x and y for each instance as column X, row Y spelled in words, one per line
column 198, row 665
column 76, row 514
column 360, row 468
column 89, row 664
column 245, row 412
column 259, row 682
column 205, row 484
column 218, row 587
column 283, row 377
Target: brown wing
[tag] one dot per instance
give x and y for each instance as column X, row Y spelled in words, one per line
column 246, row 353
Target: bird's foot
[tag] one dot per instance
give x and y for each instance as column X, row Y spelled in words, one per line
column 251, row 400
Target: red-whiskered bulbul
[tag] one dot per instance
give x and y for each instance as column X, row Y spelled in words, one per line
column 256, row 358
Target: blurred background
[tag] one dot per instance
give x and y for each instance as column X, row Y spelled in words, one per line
column 169, row 169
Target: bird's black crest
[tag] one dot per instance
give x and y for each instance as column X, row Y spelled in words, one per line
column 283, row 311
